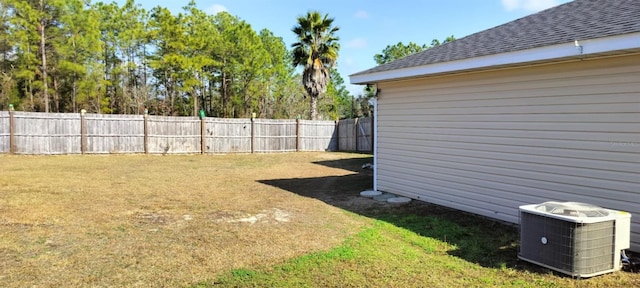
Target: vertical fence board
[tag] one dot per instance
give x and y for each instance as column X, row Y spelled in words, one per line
column 114, row 133
column 318, row 135
column 275, row 135
column 365, row 138
column 346, row 135
column 224, row 135
column 47, row 133
column 174, row 135
column 4, row 132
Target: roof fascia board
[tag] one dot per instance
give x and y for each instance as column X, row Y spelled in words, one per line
column 579, row 49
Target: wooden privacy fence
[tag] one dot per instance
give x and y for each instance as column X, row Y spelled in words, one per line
column 355, row 135
column 65, row 133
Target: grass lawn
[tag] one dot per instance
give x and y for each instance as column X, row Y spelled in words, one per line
column 260, row 220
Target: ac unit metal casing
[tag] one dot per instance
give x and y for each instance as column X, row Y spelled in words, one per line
column 577, row 239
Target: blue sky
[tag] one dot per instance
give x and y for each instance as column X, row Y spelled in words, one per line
column 367, row 27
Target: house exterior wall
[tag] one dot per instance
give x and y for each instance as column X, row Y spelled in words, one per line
column 488, row 142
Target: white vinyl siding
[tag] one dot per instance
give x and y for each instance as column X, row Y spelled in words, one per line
column 488, row 142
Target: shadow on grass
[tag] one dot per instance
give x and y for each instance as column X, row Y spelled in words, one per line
column 354, row 165
column 476, row 239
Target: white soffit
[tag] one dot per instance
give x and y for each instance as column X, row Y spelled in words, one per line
column 578, row 49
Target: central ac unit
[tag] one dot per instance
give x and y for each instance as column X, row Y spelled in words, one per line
column 577, row 239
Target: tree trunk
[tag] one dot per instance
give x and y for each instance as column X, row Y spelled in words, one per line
column 29, row 90
column 56, row 98
column 194, row 96
column 224, row 89
column 314, row 80
column 313, row 113
column 203, row 94
column 125, row 94
column 173, row 94
column 75, row 80
column 166, row 92
column 44, row 61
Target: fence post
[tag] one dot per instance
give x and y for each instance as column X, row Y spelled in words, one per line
column 12, row 131
column 83, row 132
column 298, row 135
column 355, row 126
column 146, row 131
column 203, row 149
column 253, row 133
column 337, row 135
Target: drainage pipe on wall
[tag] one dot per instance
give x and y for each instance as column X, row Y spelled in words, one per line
column 374, row 103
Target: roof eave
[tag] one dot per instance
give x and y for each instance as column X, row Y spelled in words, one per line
column 580, row 49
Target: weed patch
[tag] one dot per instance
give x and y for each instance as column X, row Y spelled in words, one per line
column 408, row 250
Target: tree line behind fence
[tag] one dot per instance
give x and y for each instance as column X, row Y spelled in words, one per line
column 73, row 133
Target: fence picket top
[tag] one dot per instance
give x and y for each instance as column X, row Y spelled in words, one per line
column 287, row 125
column 96, row 115
column 40, row 115
column 172, row 120
column 114, row 119
column 274, row 121
column 48, row 135
column 318, row 122
column 227, row 120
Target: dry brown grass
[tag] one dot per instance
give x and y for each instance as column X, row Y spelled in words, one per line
column 242, row 221
column 142, row 221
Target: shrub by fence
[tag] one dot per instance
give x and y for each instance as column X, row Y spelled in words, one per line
column 58, row 133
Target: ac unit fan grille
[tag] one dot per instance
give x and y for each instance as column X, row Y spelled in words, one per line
column 572, row 248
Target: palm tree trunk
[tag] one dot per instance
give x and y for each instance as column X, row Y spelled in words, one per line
column 313, row 113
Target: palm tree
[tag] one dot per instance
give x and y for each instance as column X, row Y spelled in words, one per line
column 316, row 50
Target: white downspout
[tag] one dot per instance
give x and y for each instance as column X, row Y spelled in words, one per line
column 374, row 103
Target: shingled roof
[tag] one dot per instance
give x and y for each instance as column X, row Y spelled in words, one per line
column 578, row 20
